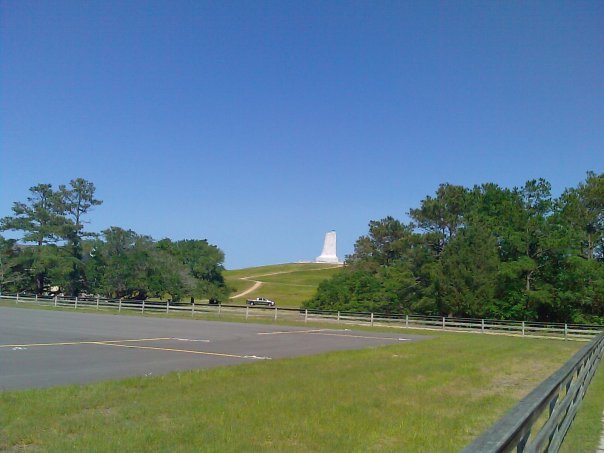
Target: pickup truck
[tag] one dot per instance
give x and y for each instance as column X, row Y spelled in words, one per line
column 260, row 301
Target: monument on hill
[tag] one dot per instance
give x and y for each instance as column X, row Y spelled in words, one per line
column 328, row 255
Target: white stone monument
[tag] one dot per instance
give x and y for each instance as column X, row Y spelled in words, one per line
column 328, row 255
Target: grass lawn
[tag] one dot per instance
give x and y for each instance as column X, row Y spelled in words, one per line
column 273, row 268
column 435, row 395
column 585, row 432
column 288, row 284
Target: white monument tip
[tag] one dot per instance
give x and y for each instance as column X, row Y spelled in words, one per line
column 328, row 255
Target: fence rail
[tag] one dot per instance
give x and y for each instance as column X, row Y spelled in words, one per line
column 521, row 328
column 541, row 420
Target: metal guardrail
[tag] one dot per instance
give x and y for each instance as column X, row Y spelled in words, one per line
column 583, row 332
column 541, row 420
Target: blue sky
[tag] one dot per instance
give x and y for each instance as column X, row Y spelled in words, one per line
column 262, row 125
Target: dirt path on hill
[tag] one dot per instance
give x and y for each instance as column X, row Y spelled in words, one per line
column 257, row 284
column 249, row 290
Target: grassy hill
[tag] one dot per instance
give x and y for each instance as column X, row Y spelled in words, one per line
column 288, row 284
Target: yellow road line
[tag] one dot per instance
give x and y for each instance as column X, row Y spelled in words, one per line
column 182, row 350
column 115, row 344
column 66, row 343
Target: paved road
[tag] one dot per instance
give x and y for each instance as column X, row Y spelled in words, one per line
column 42, row 348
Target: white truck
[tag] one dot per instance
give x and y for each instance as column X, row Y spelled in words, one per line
column 260, row 301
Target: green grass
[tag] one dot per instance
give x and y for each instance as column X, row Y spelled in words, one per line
column 263, row 270
column 302, row 277
column 435, row 395
column 585, row 432
column 288, row 284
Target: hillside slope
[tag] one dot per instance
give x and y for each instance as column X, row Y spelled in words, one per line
column 288, row 284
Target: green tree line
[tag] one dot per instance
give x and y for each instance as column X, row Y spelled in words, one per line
column 55, row 254
column 485, row 251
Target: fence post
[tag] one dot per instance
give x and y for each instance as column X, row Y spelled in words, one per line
column 36, row 298
column 482, row 325
column 75, row 307
column 143, row 308
column 306, row 315
column 443, row 322
column 17, row 300
column 120, row 305
column 55, row 300
column 338, row 316
column 372, row 319
column 565, row 331
column 168, row 306
column 247, row 310
column 275, row 313
column 97, row 301
column 523, row 328
column 406, row 320
column 219, row 309
column 193, row 309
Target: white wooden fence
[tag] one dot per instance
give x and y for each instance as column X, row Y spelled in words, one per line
column 486, row 326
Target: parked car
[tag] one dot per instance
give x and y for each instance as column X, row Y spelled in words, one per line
column 261, row 301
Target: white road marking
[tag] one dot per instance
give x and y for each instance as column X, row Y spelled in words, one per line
column 325, row 333
column 282, row 332
column 359, row 336
column 187, row 339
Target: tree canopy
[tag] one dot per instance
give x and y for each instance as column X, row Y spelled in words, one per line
column 484, row 251
column 56, row 253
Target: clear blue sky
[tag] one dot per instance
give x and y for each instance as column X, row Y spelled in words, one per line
column 262, row 125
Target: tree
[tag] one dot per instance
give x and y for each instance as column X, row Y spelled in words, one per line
column 204, row 263
column 12, row 273
column 583, row 209
column 578, row 274
column 443, row 215
column 523, row 223
column 537, row 204
column 128, row 266
column 135, row 266
column 489, row 251
column 41, row 222
column 55, row 250
column 76, row 201
column 386, row 242
column 469, row 267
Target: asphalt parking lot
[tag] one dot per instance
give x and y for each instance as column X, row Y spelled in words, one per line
column 42, row 348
